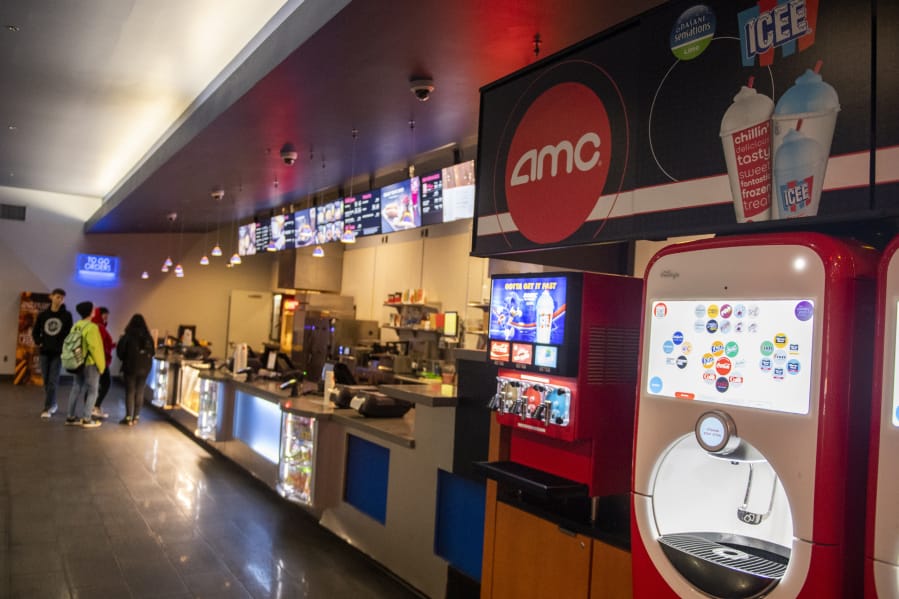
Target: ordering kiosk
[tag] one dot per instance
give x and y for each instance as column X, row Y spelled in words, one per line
column 751, row 425
column 882, row 546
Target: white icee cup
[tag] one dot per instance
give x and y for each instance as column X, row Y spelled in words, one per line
column 803, row 166
column 746, row 140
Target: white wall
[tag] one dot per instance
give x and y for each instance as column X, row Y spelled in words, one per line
column 39, row 254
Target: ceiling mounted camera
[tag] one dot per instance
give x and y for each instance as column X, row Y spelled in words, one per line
column 422, row 88
column 217, row 194
column 288, row 154
column 172, row 216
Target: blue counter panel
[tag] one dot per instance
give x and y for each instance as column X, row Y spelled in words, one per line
column 459, row 534
column 257, row 422
column 367, row 471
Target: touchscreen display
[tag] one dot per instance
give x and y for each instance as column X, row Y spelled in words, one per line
column 741, row 352
column 896, row 375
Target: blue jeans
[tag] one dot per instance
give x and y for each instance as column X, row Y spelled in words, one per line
column 85, row 384
column 50, row 365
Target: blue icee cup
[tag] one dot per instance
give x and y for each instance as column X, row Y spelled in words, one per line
column 799, row 166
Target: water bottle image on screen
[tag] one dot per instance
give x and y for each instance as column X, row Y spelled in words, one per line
column 545, row 308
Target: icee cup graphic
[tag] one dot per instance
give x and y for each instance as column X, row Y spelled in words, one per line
column 746, row 139
column 804, row 121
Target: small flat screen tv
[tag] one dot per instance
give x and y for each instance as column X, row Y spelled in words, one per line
column 400, row 208
column 304, row 227
column 535, row 322
column 246, row 239
column 747, row 352
column 432, row 199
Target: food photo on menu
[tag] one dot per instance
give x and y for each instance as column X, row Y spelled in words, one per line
column 400, row 208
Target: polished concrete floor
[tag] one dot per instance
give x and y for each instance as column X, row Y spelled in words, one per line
column 145, row 512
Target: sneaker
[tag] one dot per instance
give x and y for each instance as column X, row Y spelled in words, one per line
column 45, row 415
column 125, row 420
column 88, row 423
column 99, row 414
column 53, row 409
column 73, row 422
column 133, row 422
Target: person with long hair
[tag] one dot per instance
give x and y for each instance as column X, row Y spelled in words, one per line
column 135, row 350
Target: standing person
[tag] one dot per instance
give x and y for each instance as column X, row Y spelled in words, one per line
column 88, row 376
column 101, row 319
column 135, row 350
column 50, row 328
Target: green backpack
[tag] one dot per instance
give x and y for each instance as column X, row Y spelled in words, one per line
column 73, row 353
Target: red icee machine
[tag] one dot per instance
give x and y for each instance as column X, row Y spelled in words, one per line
column 882, row 543
column 565, row 346
column 752, row 418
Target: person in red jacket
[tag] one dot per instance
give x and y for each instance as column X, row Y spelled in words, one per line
column 101, row 319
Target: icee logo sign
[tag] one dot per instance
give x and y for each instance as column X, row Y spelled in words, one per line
column 770, row 25
column 558, row 162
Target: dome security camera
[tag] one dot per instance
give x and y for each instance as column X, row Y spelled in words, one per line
column 422, row 88
column 217, row 194
column 172, row 216
column 289, row 154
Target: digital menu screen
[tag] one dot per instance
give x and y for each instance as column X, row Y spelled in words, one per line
column 458, row 191
column 896, row 374
column 432, row 199
column 741, row 352
column 400, row 208
column 263, row 234
column 304, row 227
column 282, row 232
column 329, row 221
column 362, row 213
column 529, row 322
column 246, row 239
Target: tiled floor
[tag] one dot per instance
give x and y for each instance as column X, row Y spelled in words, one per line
column 145, row 512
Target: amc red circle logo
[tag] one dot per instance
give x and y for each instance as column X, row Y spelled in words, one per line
column 558, row 162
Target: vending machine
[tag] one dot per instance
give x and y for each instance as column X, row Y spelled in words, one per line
column 752, row 415
column 882, row 539
column 565, row 345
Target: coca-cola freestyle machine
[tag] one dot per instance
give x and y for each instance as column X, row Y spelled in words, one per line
column 882, row 544
column 751, row 435
column 564, row 344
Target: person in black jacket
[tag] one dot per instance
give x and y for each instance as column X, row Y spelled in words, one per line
column 135, row 350
column 50, row 329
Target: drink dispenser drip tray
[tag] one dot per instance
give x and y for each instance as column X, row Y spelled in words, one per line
column 726, row 566
column 533, row 482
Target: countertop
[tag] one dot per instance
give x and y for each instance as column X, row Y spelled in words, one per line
column 431, row 395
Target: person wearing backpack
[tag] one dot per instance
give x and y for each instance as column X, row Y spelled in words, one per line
column 86, row 361
column 50, row 328
column 135, row 350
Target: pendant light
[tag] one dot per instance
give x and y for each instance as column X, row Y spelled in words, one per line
column 145, row 275
column 349, row 235
column 204, row 261
column 179, row 270
column 217, row 195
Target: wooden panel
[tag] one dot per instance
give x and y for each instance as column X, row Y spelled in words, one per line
column 534, row 558
column 611, row 573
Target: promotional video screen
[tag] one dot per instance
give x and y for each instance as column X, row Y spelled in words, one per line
column 246, row 239
column 304, row 227
column 400, row 209
column 282, row 232
column 458, row 191
column 741, row 352
column 528, row 321
column 896, row 375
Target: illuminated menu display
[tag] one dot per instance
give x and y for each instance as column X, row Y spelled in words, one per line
column 400, row 209
column 282, row 232
column 458, row 191
column 896, row 374
column 432, row 199
column 263, row 234
column 362, row 213
column 740, row 352
column 329, row 221
column 304, row 227
column 246, row 239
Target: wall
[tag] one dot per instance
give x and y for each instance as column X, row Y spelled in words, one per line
column 39, row 254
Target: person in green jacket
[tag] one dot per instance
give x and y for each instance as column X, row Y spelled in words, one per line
column 87, row 378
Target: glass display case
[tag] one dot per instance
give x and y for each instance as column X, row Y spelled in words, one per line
column 207, row 410
column 189, row 392
column 296, row 470
column 160, row 380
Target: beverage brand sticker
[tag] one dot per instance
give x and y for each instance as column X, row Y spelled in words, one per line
column 686, row 348
column 788, row 25
column 780, row 356
column 708, row 376
column 708, row 360
column 731, row 349
column 767, row 348
column 660, row 310
column 668, row 346
column 726, row 311
column 699, row 326
column 711, row 326
column 699, row 311
column 780, row 340
column 692, row 32
column 655, row 384
column 795, row 196
column 794, row 348
column 753, row 311
column 739, row 311
column 717, row 348
column 712, row 311
column 677, row 337
column 722, row 385
column 793, row 367
column 681, row 362
column 735, row 379
column 804, row 310
column 723, row 366
column 765, row 364
column 726, row 327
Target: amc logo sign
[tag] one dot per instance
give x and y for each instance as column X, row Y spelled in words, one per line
column 558, row 162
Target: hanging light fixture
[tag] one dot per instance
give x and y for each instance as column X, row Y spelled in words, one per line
column 145, row 275
column 179, row 271
column 349, row 235
column 167, row 263
column 217, row 195
column 318, row 252
column 204, row 261
column 235, row 259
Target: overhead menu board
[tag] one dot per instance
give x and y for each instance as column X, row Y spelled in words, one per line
column 282, row 232
column 263, row 233
column 246, row 239
column 458, row 191
column 329, row 221
column 432, row 199
column 362, row 213
column 304, row 227
column 400, row 209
